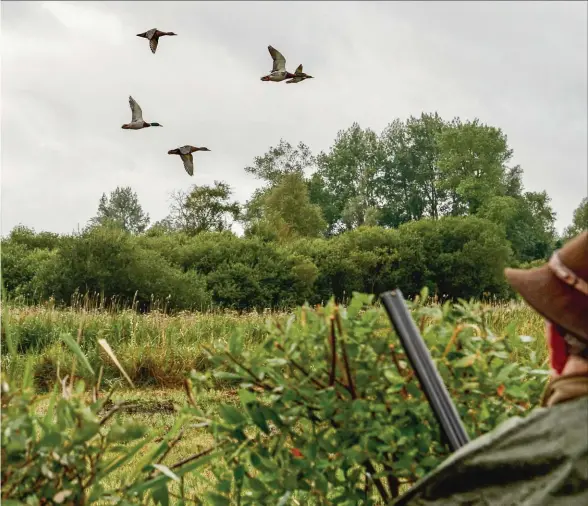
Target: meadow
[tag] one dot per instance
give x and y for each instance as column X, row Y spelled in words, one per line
column 158, row 350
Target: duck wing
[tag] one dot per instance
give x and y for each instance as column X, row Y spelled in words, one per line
column 279, row 60
column 185, row 150
column 153, row 44
column 151, row 33
column 136, row 110
column 299, row 69
column 188, row 160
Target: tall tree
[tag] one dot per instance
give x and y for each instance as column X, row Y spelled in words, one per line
column 579, row 221
column 473, row 160
column 281, row 160
column 409, row 180
column 203, row 208
column 123, row 209
column 286, row 210
column 345, row 179
column 528, row 222
column 271, row 167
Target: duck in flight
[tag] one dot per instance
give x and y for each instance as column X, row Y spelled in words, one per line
column 137, row 121
column 153, row 37
column 279, row 72
column 299, row 76
column 185, row 153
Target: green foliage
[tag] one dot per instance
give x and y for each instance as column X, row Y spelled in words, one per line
column 281, row 160
column 63, row 448
column 330, row 412
column 121, row 209
column 579, row 221
column 300, row 240
column 287, row 210
column 527, row 222
column 326, row 411
column 461, row 256
column 202, row 209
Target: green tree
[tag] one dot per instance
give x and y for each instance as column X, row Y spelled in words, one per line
column 287, row 211
column 281, row 160
column 473, row 161
column 203, row 208
column 409, row 183
column 123, row 209
column 579, row 221
column 344, row 185
column 277, row 162
column 527, row 220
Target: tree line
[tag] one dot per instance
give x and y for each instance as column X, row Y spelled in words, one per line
column 426, row 202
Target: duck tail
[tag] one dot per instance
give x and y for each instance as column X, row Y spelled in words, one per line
column 173, row 152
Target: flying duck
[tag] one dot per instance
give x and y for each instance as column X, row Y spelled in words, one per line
column 185, row 153
column 153, row 37
column 279, row 72
column 137, row 121
column 299, row 76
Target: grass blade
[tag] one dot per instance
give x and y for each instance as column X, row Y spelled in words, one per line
column 75, row 347
column 106, row 347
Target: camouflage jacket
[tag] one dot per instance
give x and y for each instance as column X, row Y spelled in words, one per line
column 541, row 459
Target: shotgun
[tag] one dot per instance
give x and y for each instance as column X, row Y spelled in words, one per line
column 420, row 359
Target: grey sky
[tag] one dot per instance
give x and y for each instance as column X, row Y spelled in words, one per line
column 69, row 67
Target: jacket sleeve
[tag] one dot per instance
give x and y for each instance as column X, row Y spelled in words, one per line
column 538, row 460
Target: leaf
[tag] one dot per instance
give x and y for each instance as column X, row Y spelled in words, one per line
column 166, row 470
column 130, row 453
column 226, row 375
column 217, row 499
column 231, row 414
column 60, row 496
column 258, row 418
column 526, row 339
column 517, row 392
column 106, row 347
column 160, row 495
column 284, row 499
column 277, row 362
column 236, row 343
column 466, row 361
column 75, row 347
column 247, row 397
column 505, row 371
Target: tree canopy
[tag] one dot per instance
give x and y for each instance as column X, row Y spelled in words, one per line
column 425, row 202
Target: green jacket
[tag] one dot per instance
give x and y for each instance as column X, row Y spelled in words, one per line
column 541, row 459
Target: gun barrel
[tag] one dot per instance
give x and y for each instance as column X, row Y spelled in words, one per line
column 424, row 367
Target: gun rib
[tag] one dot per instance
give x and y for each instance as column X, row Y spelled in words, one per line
column 420, row 359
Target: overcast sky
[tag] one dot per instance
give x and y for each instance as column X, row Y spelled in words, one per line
column 69, row 67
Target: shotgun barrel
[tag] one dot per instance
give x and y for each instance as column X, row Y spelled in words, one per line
column 424, row 367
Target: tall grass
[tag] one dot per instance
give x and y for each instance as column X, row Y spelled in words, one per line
column 158, row 349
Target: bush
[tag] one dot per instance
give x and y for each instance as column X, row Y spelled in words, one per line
column 453, row 256
column 69, row 453
column 328, row 410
